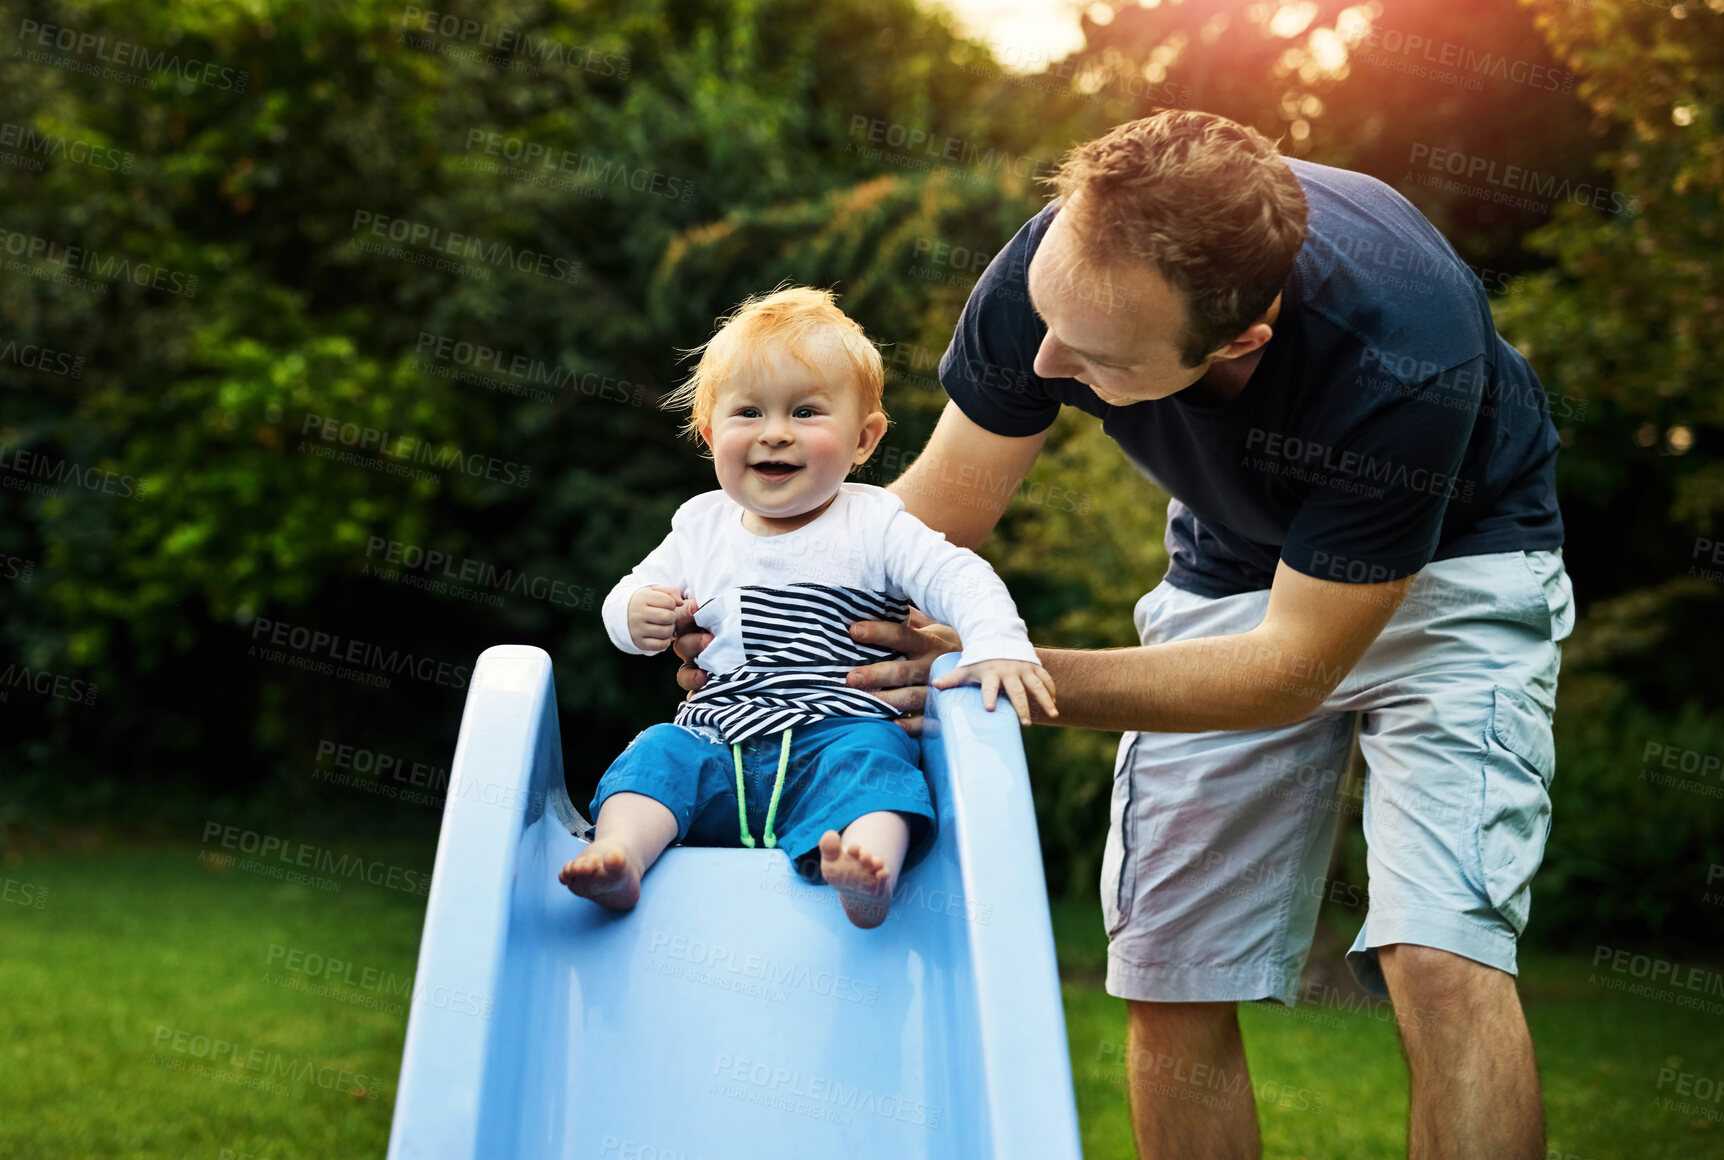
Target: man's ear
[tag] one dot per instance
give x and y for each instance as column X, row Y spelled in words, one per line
column 1252, row 336
column 1249, row 340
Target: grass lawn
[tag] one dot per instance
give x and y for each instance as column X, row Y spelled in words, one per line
column 131, row 949
column 1331, row 1083
column 131, row 953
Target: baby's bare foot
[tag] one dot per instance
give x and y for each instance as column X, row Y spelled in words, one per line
column 604, row 873
column 863, row 882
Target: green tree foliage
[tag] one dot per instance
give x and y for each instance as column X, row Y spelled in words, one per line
column 1630, row 318
column 667, row 159
column 1379, row 87
column 1631, row 314
column 680, row 156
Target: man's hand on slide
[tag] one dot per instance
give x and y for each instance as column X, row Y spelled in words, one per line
column 903, row 684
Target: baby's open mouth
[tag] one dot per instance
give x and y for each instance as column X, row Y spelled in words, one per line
column 774, row 471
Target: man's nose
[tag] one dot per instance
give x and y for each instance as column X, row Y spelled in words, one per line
column 1053, row 360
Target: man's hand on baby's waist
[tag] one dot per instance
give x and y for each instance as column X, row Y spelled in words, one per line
column 903, row 684
column 690, row 640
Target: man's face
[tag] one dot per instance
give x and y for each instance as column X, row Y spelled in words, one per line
column 1115, row 330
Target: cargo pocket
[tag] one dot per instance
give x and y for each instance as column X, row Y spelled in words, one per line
column 1119, row 856
column 1520, row 761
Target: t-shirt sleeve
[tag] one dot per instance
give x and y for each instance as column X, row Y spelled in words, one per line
column 955, row 586
column 1377, row 497
column 987, row 368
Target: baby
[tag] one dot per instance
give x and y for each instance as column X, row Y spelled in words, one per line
column 777, row 565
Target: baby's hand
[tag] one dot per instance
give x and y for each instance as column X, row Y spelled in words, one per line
column 652, row 617
column 1013, row 676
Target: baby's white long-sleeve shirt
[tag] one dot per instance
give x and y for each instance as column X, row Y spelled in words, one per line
column 779, row 606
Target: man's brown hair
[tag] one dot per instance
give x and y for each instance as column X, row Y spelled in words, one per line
column 1208, row 203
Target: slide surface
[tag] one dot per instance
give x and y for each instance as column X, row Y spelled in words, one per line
column 735, row 1012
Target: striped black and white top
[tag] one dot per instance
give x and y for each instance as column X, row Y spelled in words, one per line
column 779, row 607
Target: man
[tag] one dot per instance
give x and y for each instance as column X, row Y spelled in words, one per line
column 1363, row 537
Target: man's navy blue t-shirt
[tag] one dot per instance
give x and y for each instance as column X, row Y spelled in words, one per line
column 1387, row 424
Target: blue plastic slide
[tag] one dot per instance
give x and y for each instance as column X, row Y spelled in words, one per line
column 735, row 1013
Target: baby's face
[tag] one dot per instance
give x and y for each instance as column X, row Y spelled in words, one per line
column 784, row 436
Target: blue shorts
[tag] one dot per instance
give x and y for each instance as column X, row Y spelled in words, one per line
column 1217, row 854
column 840, row 768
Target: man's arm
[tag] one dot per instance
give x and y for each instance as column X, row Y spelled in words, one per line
column 1312, row 635
column 965, row 477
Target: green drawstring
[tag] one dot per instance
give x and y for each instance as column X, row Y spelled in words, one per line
column 777, row 788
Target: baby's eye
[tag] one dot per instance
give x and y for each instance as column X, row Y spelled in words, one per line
column 748, row 412
column 804, row 412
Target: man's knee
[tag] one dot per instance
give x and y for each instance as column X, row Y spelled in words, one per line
column 1429, row 985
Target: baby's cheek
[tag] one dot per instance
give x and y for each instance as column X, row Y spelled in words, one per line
column 829, row 447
